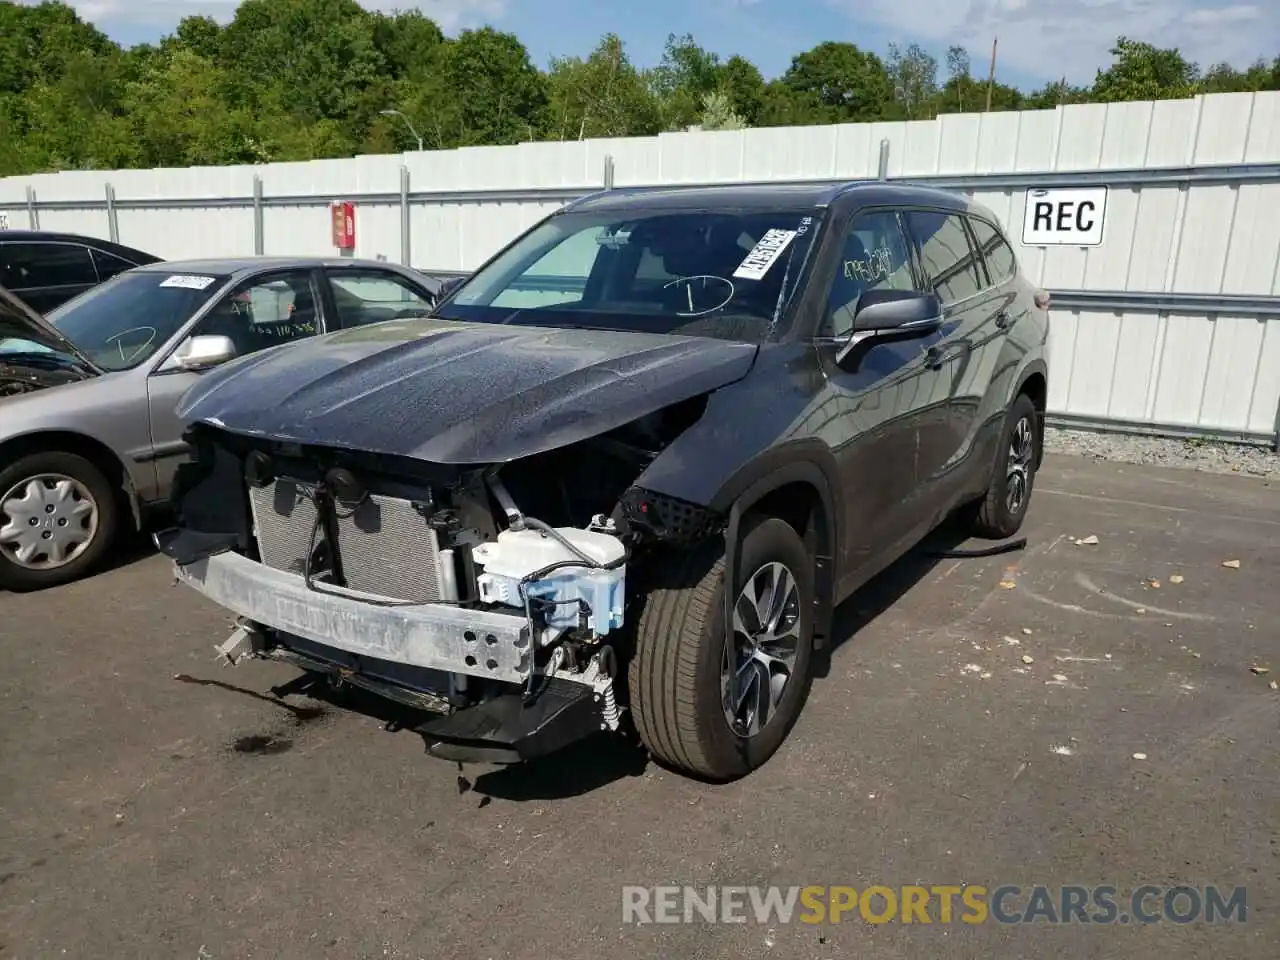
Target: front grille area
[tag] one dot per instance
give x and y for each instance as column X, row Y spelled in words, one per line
column 386, row 545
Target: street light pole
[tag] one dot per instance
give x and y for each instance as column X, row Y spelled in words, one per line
column 407, row 122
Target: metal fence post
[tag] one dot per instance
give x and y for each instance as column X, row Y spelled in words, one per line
column 33, row 215
column 259, row 241
column 113, row 227
column 884, row 159
column 406, row 247
column 608, row 171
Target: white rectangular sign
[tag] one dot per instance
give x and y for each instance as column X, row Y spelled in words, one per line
column 1069, row 216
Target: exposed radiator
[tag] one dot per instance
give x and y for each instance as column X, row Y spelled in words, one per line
column 385, row 544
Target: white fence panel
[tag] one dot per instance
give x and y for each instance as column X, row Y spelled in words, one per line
column 1150, row 328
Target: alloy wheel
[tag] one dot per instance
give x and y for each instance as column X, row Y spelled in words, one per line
column 760, row 651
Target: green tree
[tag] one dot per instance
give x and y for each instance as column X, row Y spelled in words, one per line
column 497, row 95
column 741, row 82
column 914, row 76
column 1140, row 71
column 683, row 79
column 838, row 83
column 602, row 96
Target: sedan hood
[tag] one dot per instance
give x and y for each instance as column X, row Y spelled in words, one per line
column 445, row 391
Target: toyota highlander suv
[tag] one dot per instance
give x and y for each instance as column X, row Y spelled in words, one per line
column 621, row 475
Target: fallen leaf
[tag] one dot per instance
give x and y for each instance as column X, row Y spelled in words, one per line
column 1007, row 584
column 1259, row 671
column 1026, row 631
column 1233, row 564
column 1012, row 641
column 1027, row 659
column 1142, row 610
column 1176, row 578
column 1139, row 756
column 1060, row 677
column 1153, row 584
column 1273, row 685
column 1089, row 540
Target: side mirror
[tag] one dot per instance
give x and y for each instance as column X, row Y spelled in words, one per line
column 891, row 315
column 448, row 286
column 204, row 351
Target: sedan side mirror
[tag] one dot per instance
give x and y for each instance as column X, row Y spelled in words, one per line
column 204, row 351
column 447, row 287
column 891, row 315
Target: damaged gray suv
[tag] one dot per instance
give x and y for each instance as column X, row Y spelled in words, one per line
column 623, row 473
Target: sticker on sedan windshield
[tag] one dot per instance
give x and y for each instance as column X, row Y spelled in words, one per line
column 764, row 254
column 186, row 281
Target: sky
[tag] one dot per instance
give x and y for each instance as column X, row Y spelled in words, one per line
column 1039, row 40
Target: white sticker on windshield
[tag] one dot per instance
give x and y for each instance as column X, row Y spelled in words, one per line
column 764, row 254
column 186, row 281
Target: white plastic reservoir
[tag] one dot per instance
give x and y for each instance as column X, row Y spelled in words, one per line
column 518, row 554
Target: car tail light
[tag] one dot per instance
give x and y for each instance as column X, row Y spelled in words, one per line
column 1042, row 299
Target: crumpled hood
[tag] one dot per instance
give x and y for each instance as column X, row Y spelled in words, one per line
column 445, row 391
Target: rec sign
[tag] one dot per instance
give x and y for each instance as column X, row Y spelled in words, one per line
column 1067, row 217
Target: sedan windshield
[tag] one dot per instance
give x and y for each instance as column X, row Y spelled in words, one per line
column 124, row 321
column 726, row 274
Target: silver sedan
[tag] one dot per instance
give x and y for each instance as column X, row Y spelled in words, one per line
column 89, row 440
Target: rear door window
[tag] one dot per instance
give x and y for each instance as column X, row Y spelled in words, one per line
column 26, row 266
column 1001, row 262
column 951, row 265
column 371, row 296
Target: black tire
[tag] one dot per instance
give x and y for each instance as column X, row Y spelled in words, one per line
column 993, row 516
column 674, row 679
column 19, row 578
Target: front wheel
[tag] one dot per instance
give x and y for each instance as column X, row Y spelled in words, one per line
column 715, row 702
column 1000, row 513
column 58, row 516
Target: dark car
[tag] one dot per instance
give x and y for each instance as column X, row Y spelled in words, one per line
column 629, row 466
column 47, row 269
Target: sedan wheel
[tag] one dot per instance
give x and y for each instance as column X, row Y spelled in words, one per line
column 47, row 521
column 58, row 515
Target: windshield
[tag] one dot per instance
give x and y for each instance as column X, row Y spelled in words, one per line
column 723, row 274
column 123, row 322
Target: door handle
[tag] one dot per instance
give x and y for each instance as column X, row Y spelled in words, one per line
column 1002, row 319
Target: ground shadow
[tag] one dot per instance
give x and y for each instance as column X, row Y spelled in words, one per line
column 131, row 547
column 888, row 587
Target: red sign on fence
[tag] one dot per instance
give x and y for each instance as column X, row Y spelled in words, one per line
column 343, row 214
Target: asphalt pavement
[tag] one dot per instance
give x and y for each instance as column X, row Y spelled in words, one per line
column 1073, row 714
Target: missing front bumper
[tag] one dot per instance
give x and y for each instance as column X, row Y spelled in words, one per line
column 478, row 643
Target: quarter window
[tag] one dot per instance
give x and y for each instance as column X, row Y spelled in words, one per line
column 109, row 264
column 949, row 261
column 875, row 257
column 1001, row 263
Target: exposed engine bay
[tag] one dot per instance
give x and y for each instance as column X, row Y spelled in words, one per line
column 495, row 597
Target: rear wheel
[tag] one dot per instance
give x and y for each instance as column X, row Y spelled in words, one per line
column 718, row 703
column 58, row 516
column 1000, row 513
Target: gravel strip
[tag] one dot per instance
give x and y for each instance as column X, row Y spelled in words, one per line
column 1214, row 456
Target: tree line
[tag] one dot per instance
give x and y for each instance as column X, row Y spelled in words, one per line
column 305, row 79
